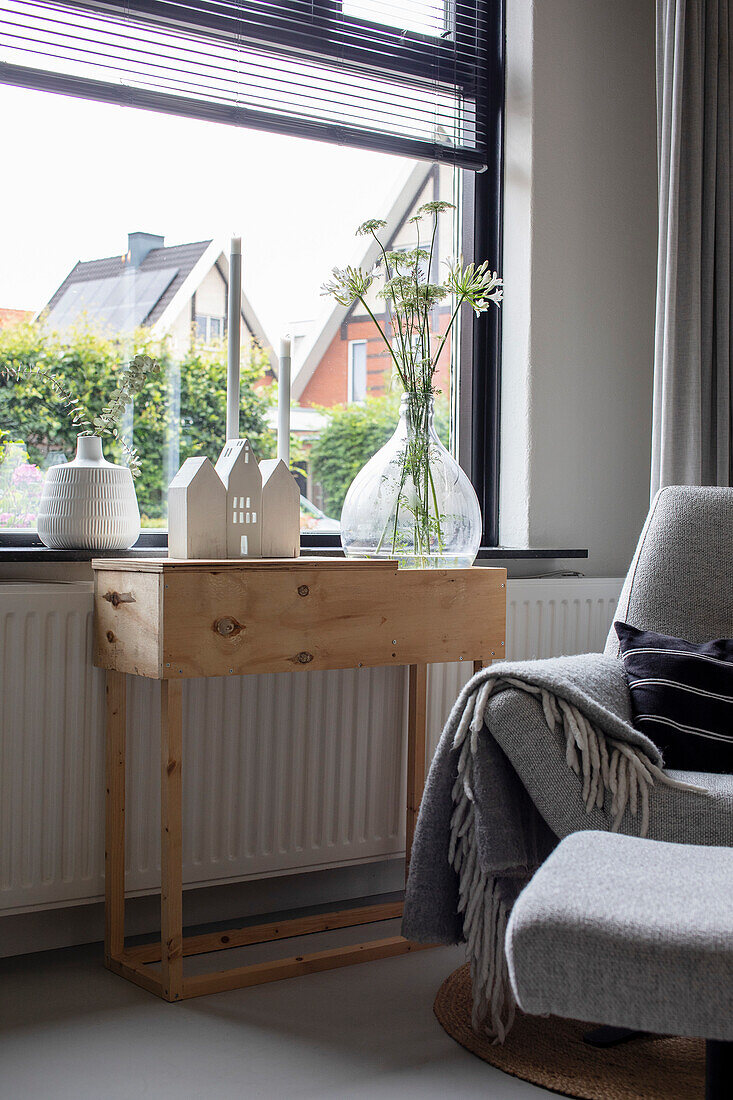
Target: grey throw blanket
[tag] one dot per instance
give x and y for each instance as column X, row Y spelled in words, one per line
column 526, row 743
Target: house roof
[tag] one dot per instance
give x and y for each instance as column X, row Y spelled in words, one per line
column 330, row 321
column 115, row 293
column 112, row 291
column 237, row 455
column 197, row 469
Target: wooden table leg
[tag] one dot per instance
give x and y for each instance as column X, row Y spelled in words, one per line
column 416, row 739
column 171, row 840
column 114, row 824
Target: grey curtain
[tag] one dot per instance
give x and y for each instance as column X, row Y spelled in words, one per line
column 693, row 418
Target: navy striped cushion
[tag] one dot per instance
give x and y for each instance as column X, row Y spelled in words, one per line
column 682, row 697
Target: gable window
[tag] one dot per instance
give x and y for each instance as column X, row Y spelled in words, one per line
column 208, row 328
column 380, row 100
column 357, row 390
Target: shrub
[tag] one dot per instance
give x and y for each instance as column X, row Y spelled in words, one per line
column 89, row 362
column 352, row 435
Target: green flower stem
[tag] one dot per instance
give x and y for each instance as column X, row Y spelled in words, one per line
column 389, row 276
column 381, row 333
column 446, row 334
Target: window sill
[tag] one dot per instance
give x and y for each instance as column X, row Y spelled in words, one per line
column 30, row 549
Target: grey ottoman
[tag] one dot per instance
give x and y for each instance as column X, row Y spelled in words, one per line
column 633, row 933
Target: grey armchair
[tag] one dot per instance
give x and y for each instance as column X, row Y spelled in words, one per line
column 680, row 582
column 481, row 839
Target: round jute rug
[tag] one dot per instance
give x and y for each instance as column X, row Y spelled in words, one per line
column 550, row 1052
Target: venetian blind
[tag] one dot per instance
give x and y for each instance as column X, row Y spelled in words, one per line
column 403, row 76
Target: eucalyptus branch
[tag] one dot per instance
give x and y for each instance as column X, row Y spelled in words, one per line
column 131, row 382
column 16, row 372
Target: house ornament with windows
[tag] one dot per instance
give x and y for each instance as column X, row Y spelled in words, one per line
column 237, row 509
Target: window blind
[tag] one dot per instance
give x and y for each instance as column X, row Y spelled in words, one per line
column 403, row 76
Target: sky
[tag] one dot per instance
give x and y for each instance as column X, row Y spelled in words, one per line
column 78, row 176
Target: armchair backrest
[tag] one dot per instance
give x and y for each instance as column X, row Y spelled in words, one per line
column 680, row 581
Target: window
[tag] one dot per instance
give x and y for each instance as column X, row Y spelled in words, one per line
column 357, row 370
column 208, row 328
column 107, row 289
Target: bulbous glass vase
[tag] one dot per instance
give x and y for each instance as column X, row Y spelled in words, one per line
column 412, row 501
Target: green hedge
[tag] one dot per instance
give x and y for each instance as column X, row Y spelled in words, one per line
column 88, row 362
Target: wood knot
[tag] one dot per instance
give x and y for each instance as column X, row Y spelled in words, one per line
column 227, row 627
column 303, row 589
column 110, row 636
column 304, row 658
column 116, row 598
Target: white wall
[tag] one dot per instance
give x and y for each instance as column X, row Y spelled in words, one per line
column 579, row 269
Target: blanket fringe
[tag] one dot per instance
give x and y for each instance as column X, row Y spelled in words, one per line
column 605, row 766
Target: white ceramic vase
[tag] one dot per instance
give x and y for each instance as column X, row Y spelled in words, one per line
column 89, row 503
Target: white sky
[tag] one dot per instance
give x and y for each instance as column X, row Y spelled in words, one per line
column 77, row 176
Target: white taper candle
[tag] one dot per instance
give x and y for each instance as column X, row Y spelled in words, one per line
column 233, row 333
column 283, row 402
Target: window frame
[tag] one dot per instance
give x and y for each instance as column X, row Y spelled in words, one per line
column 363, row 343
column 478, row 378
column 293, row 28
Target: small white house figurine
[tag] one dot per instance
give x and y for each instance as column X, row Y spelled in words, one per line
column 237, row 467
column 197, row 512
column 237, row 509
column 280, row 510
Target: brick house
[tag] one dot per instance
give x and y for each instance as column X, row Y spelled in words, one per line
column 343, row 358
column 9, row 317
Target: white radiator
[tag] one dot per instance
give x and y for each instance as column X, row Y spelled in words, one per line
column 281, row 773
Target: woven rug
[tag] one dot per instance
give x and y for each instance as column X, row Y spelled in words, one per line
column 550, row 1052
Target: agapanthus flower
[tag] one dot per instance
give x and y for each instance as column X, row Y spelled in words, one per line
column 476, row 285
column 348, row 284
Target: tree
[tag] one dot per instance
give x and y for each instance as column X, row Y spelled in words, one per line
column 88, row 362
column 352, row 435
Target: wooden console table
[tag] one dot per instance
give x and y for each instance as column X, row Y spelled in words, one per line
column 169, row 620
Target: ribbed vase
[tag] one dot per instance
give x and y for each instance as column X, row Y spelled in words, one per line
column 89, row 503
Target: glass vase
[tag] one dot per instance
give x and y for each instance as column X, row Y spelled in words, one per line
column 412, row 501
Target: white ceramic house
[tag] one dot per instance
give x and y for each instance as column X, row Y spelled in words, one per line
column 197, row 512
column 280, row 510
column 237, row 467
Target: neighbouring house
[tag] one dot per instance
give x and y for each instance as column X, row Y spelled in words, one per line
column 341, row 357
column 175, row 290
column 9, row 317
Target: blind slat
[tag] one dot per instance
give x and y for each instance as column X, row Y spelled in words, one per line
column 407, row 77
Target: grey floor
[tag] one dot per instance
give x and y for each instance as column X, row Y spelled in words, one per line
column 69, row 1029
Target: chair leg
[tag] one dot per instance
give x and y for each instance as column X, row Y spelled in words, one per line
column 718, row 1069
